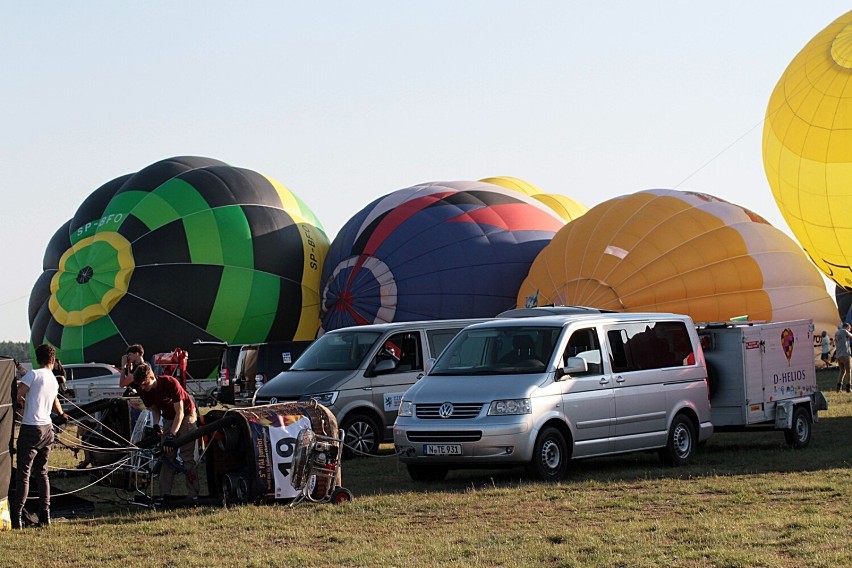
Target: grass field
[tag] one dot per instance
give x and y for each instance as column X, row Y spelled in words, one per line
column 746, row 500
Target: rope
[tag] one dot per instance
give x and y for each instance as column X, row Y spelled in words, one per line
column 120, row 464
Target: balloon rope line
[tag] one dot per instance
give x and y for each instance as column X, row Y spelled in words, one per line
column 77, row 421
column 805, row 84
column 722, row 151
column 121, row 463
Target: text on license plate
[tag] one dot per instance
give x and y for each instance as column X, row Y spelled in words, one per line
column 442, row 450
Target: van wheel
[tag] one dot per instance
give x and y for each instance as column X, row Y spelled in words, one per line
column 427, row 472
column 550, row 456
column 681, row 442
column 799, row 436
column 362, row 436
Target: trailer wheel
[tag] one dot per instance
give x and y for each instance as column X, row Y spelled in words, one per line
column 799, row 436
column 341, row 495
column 681, row 442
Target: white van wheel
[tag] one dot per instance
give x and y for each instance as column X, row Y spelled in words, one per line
column 550, row 456
column 681, row 442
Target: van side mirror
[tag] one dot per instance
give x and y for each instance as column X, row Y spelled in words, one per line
column 572, row 365
column 430, row 362
column 384, row 366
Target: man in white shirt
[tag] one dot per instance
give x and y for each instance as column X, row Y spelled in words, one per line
column 38, row 393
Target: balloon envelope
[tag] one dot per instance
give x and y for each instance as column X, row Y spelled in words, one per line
column 807, row 148
column 562, row 205
column 187, row 248
column 433, row 251
column 682, row 252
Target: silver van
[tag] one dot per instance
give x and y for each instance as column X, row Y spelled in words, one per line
column 360, row 374
column 539, row 391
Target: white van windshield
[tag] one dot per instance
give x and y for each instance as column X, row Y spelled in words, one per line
column 498, row 351
column 337, row 351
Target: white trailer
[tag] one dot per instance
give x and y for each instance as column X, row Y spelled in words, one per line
column 762, row 376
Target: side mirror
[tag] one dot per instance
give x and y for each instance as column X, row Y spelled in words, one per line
column 430, row 362
column 573, row 365
column 384, row 366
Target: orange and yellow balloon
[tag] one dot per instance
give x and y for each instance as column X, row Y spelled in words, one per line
column 807, row 149
column 677, row 251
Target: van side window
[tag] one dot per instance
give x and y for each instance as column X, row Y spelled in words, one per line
column 439, row 339
column 405, row 350
column 653, row 345
column 584, row 344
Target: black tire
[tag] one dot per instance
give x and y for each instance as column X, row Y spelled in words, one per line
column 420, row 472
column 550, row 456
column 227, row 492
column 341, row 495
column 799, row 436
column 681, row 442
column 363, row 436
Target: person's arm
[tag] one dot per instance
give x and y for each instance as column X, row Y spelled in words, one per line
column 155, row 415
column 126, row 378
column 23, row 389
column 176, row 423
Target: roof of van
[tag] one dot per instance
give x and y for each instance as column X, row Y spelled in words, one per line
column 562, row 319
column 425, row 324
column 554, row 310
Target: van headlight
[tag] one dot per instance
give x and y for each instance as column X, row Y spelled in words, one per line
column 406, row 408
column 324, row 398
column 510, row 406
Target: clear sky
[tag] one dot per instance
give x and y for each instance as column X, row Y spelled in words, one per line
column 346, row 101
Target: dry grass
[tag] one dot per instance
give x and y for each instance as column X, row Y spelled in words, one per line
column 747, row 500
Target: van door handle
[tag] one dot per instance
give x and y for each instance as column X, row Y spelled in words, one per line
column 604, row 380
column 619, row 379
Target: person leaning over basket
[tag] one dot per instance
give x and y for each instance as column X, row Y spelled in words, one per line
column 38, row 393
column 842, row 353
column 165, row 397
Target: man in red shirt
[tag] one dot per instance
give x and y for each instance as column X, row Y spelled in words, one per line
column 165, row 397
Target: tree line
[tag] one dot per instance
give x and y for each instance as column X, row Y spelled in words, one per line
column 19, row 350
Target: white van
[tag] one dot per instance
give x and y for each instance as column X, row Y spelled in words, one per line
column 539, row 391
column 360, row 374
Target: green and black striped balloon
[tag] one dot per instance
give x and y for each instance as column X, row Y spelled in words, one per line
column 187, row 248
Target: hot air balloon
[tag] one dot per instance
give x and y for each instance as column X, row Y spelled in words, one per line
column 433, row 251
column 807, row 148
column 564, row 206
column 677, row 251
column 187, row 248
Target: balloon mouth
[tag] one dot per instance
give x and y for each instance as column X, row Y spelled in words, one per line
column 841, row 48
column 85, row 274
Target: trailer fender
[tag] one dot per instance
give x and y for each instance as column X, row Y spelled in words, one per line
column 784, row 410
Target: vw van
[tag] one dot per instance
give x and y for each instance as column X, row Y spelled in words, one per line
column 539, row 391
column 360, row 373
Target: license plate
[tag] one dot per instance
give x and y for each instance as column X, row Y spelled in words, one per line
column 442, row 449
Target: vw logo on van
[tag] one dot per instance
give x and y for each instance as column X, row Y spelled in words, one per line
column 273, row 400
column 446, row 410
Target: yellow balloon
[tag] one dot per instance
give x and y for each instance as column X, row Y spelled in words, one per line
column 562, row 205
column 683, row 252
column 807, row 149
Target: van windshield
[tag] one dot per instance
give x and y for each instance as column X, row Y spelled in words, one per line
column 337, row 351
column 498, row 351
